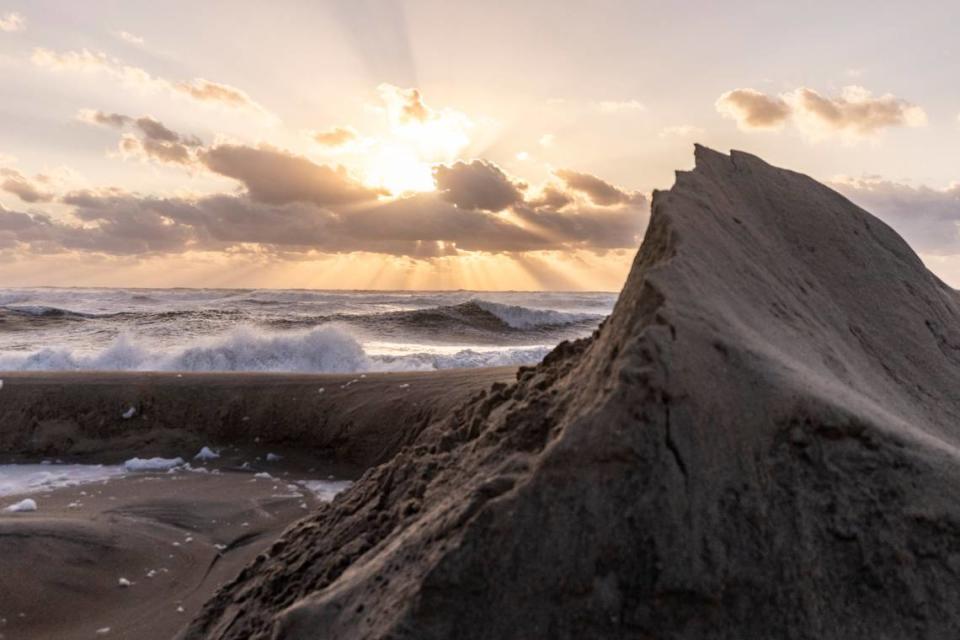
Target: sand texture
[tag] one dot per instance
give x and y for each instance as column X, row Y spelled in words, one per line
column 357, row 419
column 60, row 566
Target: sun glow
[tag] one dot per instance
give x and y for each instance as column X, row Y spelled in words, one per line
column 399, row 170
column 417, row 138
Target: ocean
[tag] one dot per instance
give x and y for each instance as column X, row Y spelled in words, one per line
column 46, row 329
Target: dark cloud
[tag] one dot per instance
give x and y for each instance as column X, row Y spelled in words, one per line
column 115, row 120
column 151, row 139
column 28, row 190
column 428, row 219
column 167, row 152
column 928, row 218
column 155, row 130
column 590, row 228
column 277, row 177
column 424, row 225
column 551, row 197
column 477, row 185
column 293, row 206
column 599, row 191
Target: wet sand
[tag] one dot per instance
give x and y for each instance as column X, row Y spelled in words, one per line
column 174, row 537
column 61, row 566
column 357, row 419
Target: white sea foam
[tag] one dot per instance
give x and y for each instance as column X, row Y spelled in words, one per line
column 206, row 453
column 326, row 490
column 520, row 317
column 277, row 330
column 27, row 504
column 31, row 478
column 325, row 349
column 152, row 464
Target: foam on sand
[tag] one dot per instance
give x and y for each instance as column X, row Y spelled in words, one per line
column 27, row 504
column 153, row 464
column 326, row 490
column 206, row 453
column 30, row 478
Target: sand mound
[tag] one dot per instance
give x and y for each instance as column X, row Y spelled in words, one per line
column 759, row 443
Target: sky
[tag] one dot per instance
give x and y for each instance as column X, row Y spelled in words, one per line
column 373, row 144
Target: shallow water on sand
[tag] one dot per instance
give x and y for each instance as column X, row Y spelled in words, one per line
column 27, row 479
column 31, row 478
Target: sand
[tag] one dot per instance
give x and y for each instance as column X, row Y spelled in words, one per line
column 356, row 420
column 60, row 566
column 761, row 442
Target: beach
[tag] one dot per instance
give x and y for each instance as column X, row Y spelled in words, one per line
column 357, row 419
column 285, row 444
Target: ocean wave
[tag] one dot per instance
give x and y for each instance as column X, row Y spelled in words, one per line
column 41, row 311
column 519, row 317
column 325, row 349
column 467, row 318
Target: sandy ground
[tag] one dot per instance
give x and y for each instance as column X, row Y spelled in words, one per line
column 177, row 537
column 355, row 419
column 174, row 537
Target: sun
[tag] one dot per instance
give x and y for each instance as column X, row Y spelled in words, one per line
column 415, row 140
column 399, row 169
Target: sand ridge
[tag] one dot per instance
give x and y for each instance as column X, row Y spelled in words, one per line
column 760, row 442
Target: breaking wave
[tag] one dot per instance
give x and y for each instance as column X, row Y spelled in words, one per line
column 518, row 317
column 325, row 349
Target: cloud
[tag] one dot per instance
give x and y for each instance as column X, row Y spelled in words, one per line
column 335, row 137
column 277, row 177
column 130, row 38
column 551, row 197
column 621, row 106
column 588, row 228
column 438, row 135
column 547, row 140
column 404, row 105
column 92, row 116
column 200, row 90
column 856, row 112
column 150, row 139
column 293, row 207
column 155, row 130
column 598, row 191
column 12, row 181
column 753, row 109
column 928, row 218
column 477, row 185
column 12, row 21
column 209, row 91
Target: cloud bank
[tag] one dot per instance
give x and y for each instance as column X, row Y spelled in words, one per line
column 291, row 206
column 928, row 218
column 856, row 112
